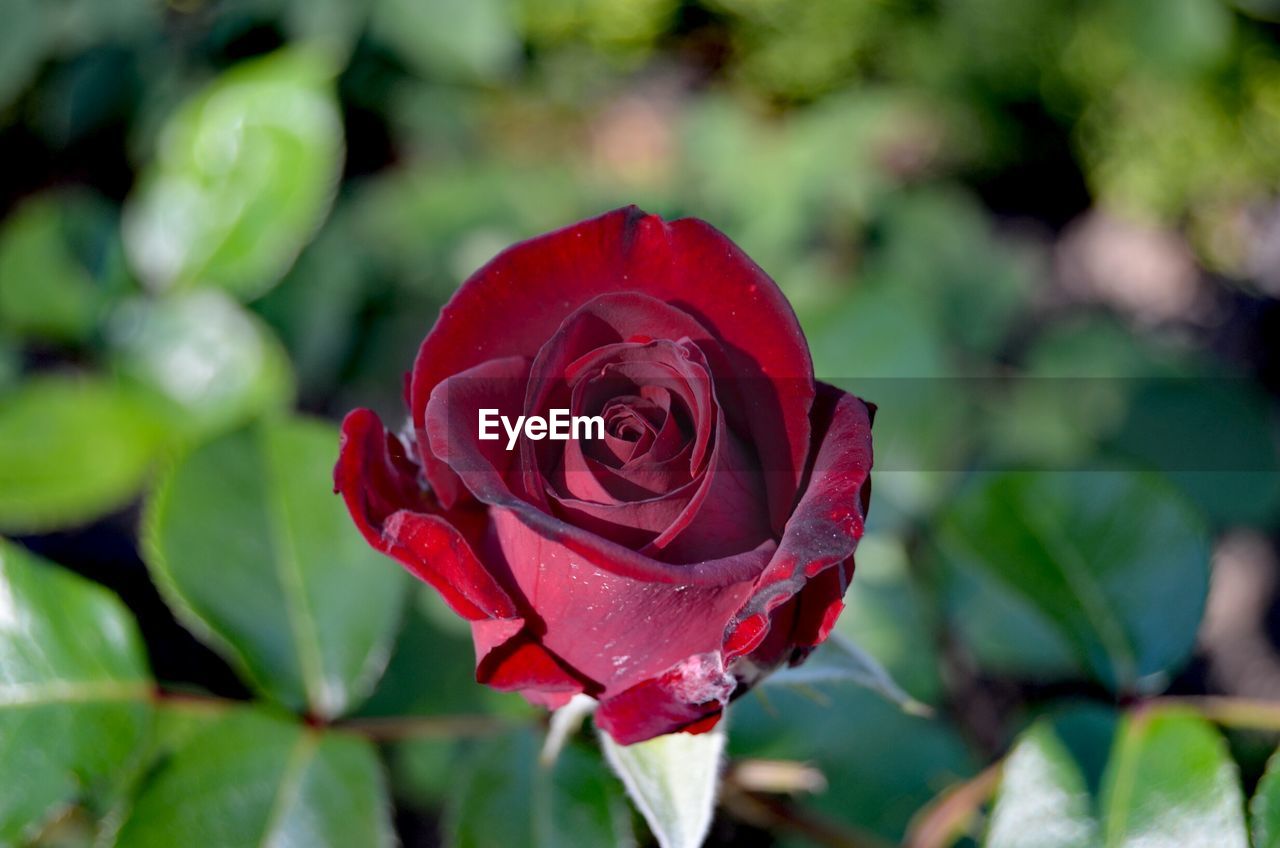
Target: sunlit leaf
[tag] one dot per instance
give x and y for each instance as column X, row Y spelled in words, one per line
column 244, row 174
column 1171, row 782
column 1043, row 801
column 219, row 364
column 253, row 779
column 1265, row 807
column 74, row 691
column 249, row 544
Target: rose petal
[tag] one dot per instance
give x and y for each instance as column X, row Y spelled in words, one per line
column 690, row 696
column 485, row 467
column 399, row 518
column 521, row 663
column 685, row 263
column 498, row 385
column 598, row 341
column 614, row 630
column 826, row 526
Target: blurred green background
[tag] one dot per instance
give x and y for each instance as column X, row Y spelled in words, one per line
column 1044, row 236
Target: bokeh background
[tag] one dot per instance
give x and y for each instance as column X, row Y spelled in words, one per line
column 1043, row 235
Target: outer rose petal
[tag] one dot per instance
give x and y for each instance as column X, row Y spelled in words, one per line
column 398, row 518
column 794, row 603
column 823, row 531
column 686, row 263
column 612, row 629
column 689, row 697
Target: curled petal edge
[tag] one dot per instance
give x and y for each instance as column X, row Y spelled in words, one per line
column 398, row 517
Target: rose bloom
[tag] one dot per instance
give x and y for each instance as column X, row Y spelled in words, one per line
column 707, row 539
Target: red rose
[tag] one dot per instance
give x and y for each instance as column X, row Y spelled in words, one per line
column 705, row 539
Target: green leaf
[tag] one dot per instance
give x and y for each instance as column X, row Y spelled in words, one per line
column 71, row 449
column 1043, row 801
column 253, row 779
column 673, row 781
column 841, row 660
column 60, row 259
column 257, row 555
column 940, row 248
column 505, row 797
column 24, row 38
column 74, row 691
column 469, row 40
column 451, row 687
column 218, row 364
column 1171, row 782
column 1265, row 807
column 244, row 175
column 1108, row 567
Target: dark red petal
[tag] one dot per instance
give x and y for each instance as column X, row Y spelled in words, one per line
column 614, row 630
column 819, row 604
column 827, row 524
column 727, row 513
column 523, row 664
column 604, row 331
column 400, row 519
column 486, row 468
column 374, row 473
column 690, row 697
column 515, row 303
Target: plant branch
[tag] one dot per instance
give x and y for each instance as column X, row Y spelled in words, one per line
column 1238, row 713
column 397, row 728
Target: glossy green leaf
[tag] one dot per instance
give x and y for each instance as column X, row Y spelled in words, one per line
column 257, row 555
column 218, row 363
column 451, row 687
column 1265, row 807
column 253, row 779
column 1043, row 801
column 244, row 175
column 60, row 260
column 506, row 797
column 1171, row 782
column 72, row 449
column 1107, row 568
column 74, row 691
